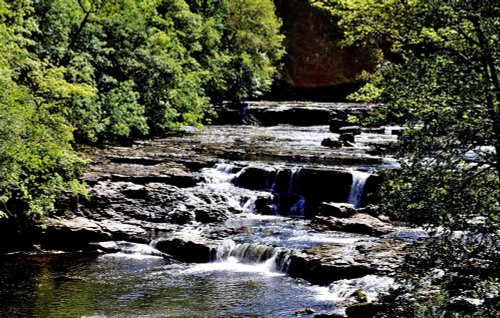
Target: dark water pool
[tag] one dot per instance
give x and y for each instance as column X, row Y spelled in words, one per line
column 118, row 285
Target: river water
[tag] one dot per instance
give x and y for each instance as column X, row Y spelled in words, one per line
column 243, row 280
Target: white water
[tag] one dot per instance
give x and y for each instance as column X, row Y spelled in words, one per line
column 233, row 264
column 297, row 210
column 370, row 285
column 357, row 187
column 294, row 181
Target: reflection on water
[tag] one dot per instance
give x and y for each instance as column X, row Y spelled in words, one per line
column 124, row 285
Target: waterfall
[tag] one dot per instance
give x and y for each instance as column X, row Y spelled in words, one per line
column 222, row 250
column 357, row 187
column 252, row 253
column 264, row 256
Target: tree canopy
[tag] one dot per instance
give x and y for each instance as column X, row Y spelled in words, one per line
column 438, row 76
column 82, row 71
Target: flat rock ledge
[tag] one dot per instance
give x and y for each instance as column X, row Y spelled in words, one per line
column 325, row 264
column 357, row 223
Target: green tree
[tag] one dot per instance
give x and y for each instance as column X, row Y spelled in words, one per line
column 256, row 46
column 173, row 58
column 439, row 78
column 37, row 161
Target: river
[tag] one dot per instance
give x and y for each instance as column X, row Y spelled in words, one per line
column 248, row 273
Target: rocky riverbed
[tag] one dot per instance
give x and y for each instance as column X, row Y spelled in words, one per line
column 266, row 193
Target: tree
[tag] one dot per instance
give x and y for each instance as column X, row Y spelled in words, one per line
column 170, row 58
column 256, row 46
column 37, row 161
column 439, row 78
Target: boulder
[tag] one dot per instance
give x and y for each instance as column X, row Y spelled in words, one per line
column 337, row 124
column 204, row 215
column 339, row 210
column 358, row 223
column 361, row 310
column 181, row 217
column 347, row 139
column 73, row 233
column 331, row 143
column 255, row 178
column 318, row 271
column 186, row 248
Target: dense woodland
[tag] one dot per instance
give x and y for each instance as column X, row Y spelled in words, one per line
column 77, row 72
column 438, row 77
column 115, row 70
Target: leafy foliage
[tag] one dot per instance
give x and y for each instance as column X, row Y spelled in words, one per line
column 36, row 158
column 114, row 70
column 439, row 78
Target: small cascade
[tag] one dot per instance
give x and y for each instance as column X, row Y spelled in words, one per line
column 265, row 256
column 357, row 188
column 220, row 173
column 294, row 181
column 252, row 253
column 370, row 286
column 285, row 189
column 222, row 250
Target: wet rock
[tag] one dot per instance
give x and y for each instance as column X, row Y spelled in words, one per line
column 339, row 210
column 319, row 272
column 337, row 124
column 264, row 205
column 325, row 264
column 305, row 311
column 190, row 249
column 183, row 181
column 329, row 316
column 361, row 310
column 285, row 203
column 72, row 234
column 358, row 223
column 347, row 139
column 254, row 178
column 124, row 231
column 335, row 184
column 281, row 183
column 181, row 217
column 296, row 113
column 328, row 142
column 210, row 216
column 354, row 130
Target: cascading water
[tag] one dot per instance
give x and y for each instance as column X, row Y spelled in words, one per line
column 357, row 188
column 370, row 285
column 137, row 280
column 263, row 256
